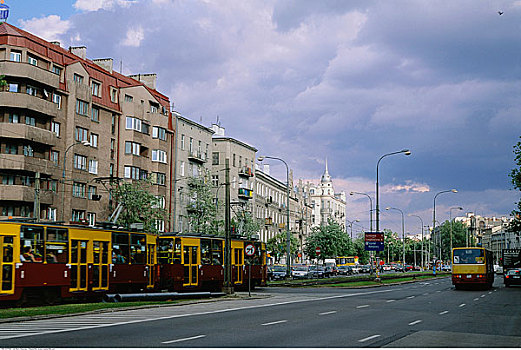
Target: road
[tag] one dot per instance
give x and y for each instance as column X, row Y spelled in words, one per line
column 421, row 314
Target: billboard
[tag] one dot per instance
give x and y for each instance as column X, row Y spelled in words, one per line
column 374, row 241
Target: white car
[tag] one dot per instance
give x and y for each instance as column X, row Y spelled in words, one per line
column 356, row 268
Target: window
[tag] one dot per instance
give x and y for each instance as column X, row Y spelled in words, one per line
column 112, row 148
column 78, row 190
column 160, row 225
column 132, row 172
column 57, row 70
column 28, row 151
column 159, row 178
column 30, row 121
column 81, row 134
column 233, row 160
column 55, row 157
column 14, row 87
column 191, row 145
column 31, row 90
column 91, row 218
column 8, row 210
column 113, row 95
column 154, row 108
column 77, row 78
column 78, row 215
column 55, row 128
column 129, row 98
column 11, row 149
column 16, row 56
column 215, row 180
column 95, row 88
column 8, row 179
column 133, row 124
column 92, row 191
column 25, row 211
column 158, row 156
column 159, row 133
column 51, row 214
column 215, row 158
column 111, row 170
column 132, row 148
column 80, row 162
column 25, row 180
column 93, row 166
column 82, row 107
column 183, row 142
column 57, row 99
column 93, row 140
column 94, row 116
column 32, row 60
column 160, row 202
column 14, row 118
column 113, row 125
column 182, row 168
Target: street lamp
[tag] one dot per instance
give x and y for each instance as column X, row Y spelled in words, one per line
column 422, row 236
column 351, row 225
column 288, row 235
column 450, row 218
column 403, row 235
column 434, row 217
column 404, row 151
column 84, row 143
column 370, row 206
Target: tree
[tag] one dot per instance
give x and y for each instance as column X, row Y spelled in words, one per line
column 245, row 224
column 515, row 175
column 277, row 245
column 139, row 205
column 3, row 82
column 331, row 239
column 202, row 212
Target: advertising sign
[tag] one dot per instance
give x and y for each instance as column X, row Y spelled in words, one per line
column 374, row 241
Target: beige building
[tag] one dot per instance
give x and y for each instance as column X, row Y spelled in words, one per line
column 69, row 124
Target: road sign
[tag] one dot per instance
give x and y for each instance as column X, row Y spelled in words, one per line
column 317, row 250
column 249, row 250
column 374, row 241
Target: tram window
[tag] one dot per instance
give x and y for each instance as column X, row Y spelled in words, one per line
column 32, row 236
column 96, row 252
column 217, row 252
column 56, row 245
column 8, row 250
column 120, row 246
column 138, row 248
column 7, row 277
column 206, row 253
column 83, row 252
column 177, row 251
column 165, row 249
column 105, row 253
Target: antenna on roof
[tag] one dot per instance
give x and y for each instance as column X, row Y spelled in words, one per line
column 201, row 120
column 121, row 66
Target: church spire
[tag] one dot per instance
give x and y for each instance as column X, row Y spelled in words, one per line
column 326, row 177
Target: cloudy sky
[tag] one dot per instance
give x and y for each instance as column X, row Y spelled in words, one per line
column 346, row 80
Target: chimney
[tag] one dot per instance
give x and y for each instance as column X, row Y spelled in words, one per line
column 80, row 51
column 219, row 130
column 147, row 79
column 105, row 63
column 57, row 43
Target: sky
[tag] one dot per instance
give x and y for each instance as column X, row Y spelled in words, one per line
column 344, row 80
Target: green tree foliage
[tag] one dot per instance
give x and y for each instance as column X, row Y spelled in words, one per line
column 202, row 213
column 331, row 239
column 459, row 231
column 392, row 247
column 515, row 176
column 3, row 82
column 277, row 245
column 245, row 224
column 139, row 205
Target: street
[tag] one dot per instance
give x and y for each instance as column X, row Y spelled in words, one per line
column 421, row 314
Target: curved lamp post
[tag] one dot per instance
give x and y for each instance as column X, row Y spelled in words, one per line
column 422, row 236
column 403, row 235
column 288, row 235
column 434, row 217
column 84, row 143
column 450, row 218
column 370, row 206
column 351, row 225
column 404, row 151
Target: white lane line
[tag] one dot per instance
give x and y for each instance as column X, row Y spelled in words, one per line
column 444, row 312
column 414, row 322
column 362, row 306
column 476, row 299
column 390, row 301
column 461, row 305
column 410, row 297
column 438, row 291
column 274, row 322
column 169, row 317
column 369, row 338
column 489, row 292
column 183, row 339
column 425, row 294
column 327, row 313
column 483, row 295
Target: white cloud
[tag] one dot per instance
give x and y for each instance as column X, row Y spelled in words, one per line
column 50, row 28
column 95, row 5
column 134, row 37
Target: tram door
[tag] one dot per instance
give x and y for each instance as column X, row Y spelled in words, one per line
column 6, row 265
column 237, row 261
column 79, row 266
column 100, row 266
column 151, row 252
column 190, row 262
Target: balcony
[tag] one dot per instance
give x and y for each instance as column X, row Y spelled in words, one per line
column 21, row 100
column 28, row 132
column 26, row 70
column 20, row 162
column 19, row 193
column 246, row 172
column 197, row 157
column 245, row 193
column 268, row 221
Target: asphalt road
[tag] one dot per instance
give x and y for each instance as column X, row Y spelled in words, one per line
column 421, row 314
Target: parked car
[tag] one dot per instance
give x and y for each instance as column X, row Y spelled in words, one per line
column 300, row 272
column 399, row 268
column 345, row 270
column 446, row 267
column 278, row 272
column 355, row 268
column 365, row 268
column 387, row 267
column 316, row 272
column 330, row 271
column 408, row 267
column 512, row 277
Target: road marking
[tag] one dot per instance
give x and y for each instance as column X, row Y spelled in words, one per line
column 489, row 292
column 414, row 322
column 461, row 305
column 390, row 301
column 410, row 297
column 327, row 313
column 183, row 339
column 369, row 338
column 361, row 306
column 438, row 291
column 444, row 312
column 425, row 294
column 476, row 299
column 483, row 295
column 274, row 322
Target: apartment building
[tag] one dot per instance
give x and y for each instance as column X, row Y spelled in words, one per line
column 69, row 126
column 193, row 149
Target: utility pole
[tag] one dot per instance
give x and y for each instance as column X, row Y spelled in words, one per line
column 228, row 286
column 36, row 208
